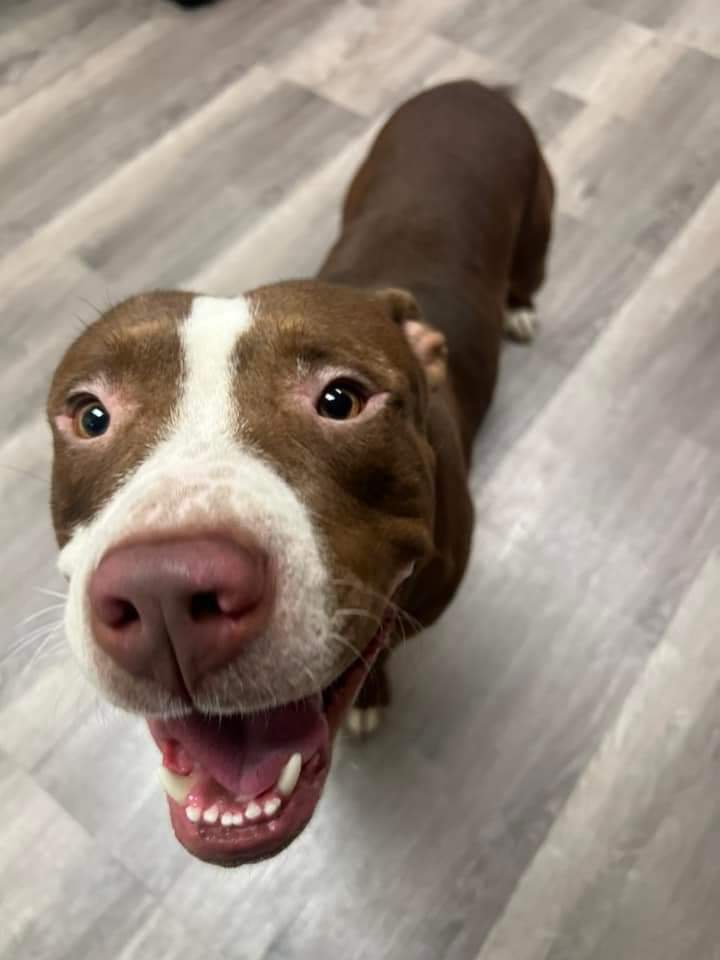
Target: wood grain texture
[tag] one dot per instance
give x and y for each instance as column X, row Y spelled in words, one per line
column 649, row 793
column 546, row 785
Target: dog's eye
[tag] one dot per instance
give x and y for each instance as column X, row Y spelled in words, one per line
column 341, row 400
column 91, row 419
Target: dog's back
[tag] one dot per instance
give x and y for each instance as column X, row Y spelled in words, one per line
column 451, row 169
column 453, row 202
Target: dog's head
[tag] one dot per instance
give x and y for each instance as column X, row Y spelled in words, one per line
column 240, row 486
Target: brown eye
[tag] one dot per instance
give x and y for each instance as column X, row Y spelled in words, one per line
column 90, row 419
column 341, row 400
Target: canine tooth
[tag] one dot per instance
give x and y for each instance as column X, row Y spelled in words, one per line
column 287, row 781
column 237, row 819
column 271, row 806
column 175, row 785
column 226, row 819
column 193, row 814
column 252, row 811
column 211, row 814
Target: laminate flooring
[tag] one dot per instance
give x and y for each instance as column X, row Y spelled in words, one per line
column 547, row 785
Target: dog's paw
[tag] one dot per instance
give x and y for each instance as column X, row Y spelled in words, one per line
column 363, row 722
column 521, row 324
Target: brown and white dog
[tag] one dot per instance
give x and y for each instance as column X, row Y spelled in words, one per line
column 245, row 491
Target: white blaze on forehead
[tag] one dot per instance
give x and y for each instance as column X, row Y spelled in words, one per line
column 205, row 418
column 209, row 338
column 200, row 475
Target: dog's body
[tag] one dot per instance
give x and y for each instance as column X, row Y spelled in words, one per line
column 245, row 489
column 453, row 204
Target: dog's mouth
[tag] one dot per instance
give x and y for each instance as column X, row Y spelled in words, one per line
column 240, row 788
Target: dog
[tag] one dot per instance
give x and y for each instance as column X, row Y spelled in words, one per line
column 247, row 492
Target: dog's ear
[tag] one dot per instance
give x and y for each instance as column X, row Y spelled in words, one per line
column 427, row 344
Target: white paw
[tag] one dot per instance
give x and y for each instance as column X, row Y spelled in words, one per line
column 363, row 723
column 521, row 324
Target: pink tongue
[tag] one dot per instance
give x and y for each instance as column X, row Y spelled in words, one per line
column 247, row 753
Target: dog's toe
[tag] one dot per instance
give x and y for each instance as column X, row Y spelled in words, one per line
column 521, row 324
column 363, row 722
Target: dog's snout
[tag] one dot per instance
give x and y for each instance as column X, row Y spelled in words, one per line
column 174, row 611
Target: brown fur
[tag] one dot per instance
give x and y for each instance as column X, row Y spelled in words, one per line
column 446, row 223
column 134, row 349
column 454, row 204
column 363, row 485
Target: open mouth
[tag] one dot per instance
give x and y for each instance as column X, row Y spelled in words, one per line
column 240, row 788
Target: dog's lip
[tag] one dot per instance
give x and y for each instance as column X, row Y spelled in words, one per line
column 234, row 846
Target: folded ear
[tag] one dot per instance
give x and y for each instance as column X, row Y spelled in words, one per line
column 427, row 344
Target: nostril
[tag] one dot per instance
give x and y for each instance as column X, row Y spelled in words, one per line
column 173, row 611
column 213, row 604
column 118, row 613
column 204, row 606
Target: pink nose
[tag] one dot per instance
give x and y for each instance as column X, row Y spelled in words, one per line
column 175, row 610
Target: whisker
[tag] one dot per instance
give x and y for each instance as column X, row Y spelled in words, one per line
column 44, row 647
column 92, row 306
column 399, row 612
column 310, row 675
column 43, row 655
column 29, row 640
column 101, row 711
column 352, row 611
column 41, row 613
column 343, row 641
column 38, row 630
column 23, row 472
column 39, row 633
column 110, row 303
column 403, row 634
column 51, row 593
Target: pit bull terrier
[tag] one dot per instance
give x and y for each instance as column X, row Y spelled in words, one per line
column 248, row 493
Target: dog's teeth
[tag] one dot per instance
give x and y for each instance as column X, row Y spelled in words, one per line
column 211, row 814
column 176, row 786
column 287, row 781
column 271, row 806
column 226, row 819
column 252, row 811
column 237, row 819
column 193, row 814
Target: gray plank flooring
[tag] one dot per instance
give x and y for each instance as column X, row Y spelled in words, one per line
column 546, row 787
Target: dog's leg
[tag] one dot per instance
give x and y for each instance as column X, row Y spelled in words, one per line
column 366, row 714
column 528, row 267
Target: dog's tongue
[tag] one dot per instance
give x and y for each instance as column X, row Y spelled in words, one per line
column 245, row 754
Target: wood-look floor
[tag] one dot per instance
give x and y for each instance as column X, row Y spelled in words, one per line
column 548, row 785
